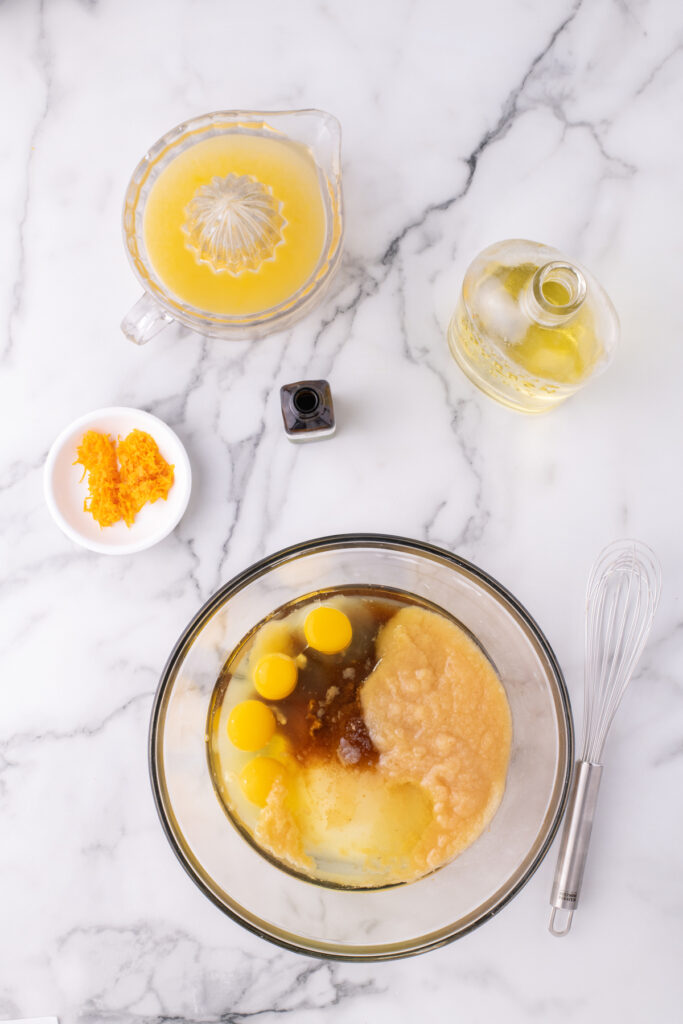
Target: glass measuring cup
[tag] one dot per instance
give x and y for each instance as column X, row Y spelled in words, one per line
column 317, row 132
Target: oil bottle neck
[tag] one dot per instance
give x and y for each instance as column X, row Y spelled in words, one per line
column 555, row 293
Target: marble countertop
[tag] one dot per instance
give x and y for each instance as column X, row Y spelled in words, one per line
column 463, row 124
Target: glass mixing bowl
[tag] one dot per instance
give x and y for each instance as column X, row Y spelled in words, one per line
column 401, row 920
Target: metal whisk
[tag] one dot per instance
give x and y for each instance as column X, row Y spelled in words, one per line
column 623, row 591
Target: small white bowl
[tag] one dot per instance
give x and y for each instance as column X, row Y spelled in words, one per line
column 65, row 492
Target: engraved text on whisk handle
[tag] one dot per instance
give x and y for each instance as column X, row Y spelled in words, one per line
column 571, row 861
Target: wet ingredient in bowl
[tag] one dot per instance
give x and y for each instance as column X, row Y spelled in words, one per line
column 392, row 746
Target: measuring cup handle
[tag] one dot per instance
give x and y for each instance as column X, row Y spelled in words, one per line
column 145, row 319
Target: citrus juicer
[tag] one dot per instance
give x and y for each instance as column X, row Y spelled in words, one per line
column 233, row 225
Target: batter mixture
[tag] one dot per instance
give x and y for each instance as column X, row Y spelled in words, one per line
column 360, row 738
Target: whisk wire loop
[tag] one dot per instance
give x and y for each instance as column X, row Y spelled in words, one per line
column 620, row 603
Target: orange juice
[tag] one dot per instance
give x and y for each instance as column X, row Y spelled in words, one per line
column 235, row 224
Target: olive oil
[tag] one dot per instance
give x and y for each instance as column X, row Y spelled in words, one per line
column 531, row 328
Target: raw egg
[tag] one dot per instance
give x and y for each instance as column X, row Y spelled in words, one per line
column 251, row 725
column 258, row 777
column 275, row 676
column 327, row 630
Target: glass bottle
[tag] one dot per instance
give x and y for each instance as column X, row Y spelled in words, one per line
column 530, row 327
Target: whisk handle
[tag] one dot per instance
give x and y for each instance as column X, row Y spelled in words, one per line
column 571, row 861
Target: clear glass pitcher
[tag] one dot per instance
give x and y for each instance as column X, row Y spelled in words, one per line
column 531, row 327
column 234, row 224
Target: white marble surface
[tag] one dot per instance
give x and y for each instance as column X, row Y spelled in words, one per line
column 463, row 124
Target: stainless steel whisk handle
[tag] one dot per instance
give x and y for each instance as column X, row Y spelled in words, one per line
column 571, row 861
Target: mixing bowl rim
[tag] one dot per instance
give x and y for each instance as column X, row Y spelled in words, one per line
column 384, row 951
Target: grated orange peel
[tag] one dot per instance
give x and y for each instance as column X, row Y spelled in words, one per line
column 122, row 476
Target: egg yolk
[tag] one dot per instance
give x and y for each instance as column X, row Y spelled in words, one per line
column 250, row 725
column 280, row 748
column 275, row 676
column 258, row 777
column 327, row 630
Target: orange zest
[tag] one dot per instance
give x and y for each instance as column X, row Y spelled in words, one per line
column 145, row 474
column 97, row 455
column 123, row 476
